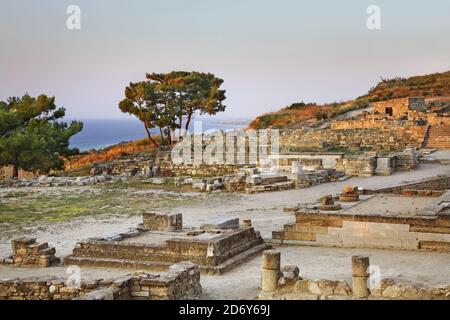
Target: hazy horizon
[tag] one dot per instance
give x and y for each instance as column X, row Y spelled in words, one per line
column 269, row 53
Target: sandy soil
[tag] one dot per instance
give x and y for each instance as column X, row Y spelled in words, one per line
column 266, row 212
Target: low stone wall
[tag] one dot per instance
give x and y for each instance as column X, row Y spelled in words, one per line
column 367, row 231
column 27, row 251
column 182, row 281
column 42, row 288
column 438, row 183
column 357, row 166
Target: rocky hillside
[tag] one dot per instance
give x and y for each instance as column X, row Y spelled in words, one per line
column 301, row 114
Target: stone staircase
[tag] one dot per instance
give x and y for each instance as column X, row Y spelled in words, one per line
column 438, row 137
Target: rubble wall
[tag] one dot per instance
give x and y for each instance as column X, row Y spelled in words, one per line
column 387, row 138
column 182, row 281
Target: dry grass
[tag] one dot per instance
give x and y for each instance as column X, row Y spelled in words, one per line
column 433, row 85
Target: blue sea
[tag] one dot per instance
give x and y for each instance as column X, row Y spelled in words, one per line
column 100, row 133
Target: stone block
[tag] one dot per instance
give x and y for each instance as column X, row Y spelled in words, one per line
column 439, row 237
column 361, row 233
column 388, row 226
column 329, row 239
column 162, row 222
column 383, row 234
column 140, row 294
column 271, row 260
column 254, row 179
column 359, row 287
column 354, row 225
column 199, row 185
column 407, row 235
column 334, row 231
column 311, row 229
column 302, row 236
column 269, row 280
column 221, row 224
column 385, row 166
column 360, row 266
column 290, row 272
column 410, row 244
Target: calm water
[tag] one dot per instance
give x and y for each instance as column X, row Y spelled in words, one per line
column 98, row 134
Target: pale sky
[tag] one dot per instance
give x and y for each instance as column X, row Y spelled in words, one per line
column 270, row 53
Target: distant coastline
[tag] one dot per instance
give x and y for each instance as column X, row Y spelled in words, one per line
column 101, row 133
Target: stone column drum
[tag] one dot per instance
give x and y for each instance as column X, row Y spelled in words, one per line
column 271, row 270
column 360, row 275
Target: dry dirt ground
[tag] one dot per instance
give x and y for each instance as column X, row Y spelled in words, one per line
column 266, row 212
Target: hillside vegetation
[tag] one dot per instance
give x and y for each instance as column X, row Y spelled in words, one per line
column 432, row 85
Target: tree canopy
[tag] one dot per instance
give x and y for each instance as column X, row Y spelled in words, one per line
column 32, row 134
column 169, row 100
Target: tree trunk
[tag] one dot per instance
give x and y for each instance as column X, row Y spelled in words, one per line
column 150, row 136
column 15, row 174
column 188, row 120
column 181, row 126
column 162, row 136
column 169, row 136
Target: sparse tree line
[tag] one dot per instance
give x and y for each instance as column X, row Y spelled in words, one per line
column 168, row 101
column 34, row 137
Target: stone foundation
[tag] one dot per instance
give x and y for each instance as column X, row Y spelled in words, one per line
column 27, row 252
column 429, row 229
column 182, row 281
column 215, row 249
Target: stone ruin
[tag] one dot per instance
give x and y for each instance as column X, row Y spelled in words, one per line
column 329, row 204
column 349, row 194
column 414, row 217
column 286, row 283
column 162, row 222
column 181, row 281
column 27, row 252
column 161, row 241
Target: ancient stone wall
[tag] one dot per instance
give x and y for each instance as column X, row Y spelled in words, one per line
column 438, row 120
column 368, row 231
column 6, row 172
column 398, row 107
column 439, row 183
column 27, row 251
column 391, row 138
column 182, row 281
column 357, row 166
column 42, row 288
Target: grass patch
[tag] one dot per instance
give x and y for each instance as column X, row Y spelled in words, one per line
column 60, row 204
